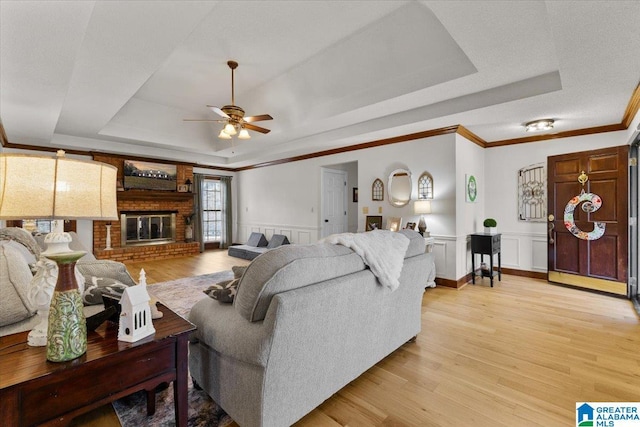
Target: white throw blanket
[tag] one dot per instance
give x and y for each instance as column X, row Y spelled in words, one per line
column 382, row 250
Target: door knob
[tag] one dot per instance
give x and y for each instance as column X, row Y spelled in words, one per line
column 551, row 217
column 326, row 220
column 550, row 228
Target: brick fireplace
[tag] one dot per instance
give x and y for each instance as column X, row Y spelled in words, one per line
column 146, row 201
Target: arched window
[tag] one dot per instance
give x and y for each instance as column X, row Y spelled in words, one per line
column 377, row 190
column 425, row 186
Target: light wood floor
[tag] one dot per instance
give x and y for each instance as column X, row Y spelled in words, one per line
column 519, row 354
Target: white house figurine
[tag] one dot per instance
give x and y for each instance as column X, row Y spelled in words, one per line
column 135, row 316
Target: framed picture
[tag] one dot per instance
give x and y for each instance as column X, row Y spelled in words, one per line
column 355, row 194
column 410, row 226
column 183, row 188
column 373, row 223
column 393, row 223
column 470, row 189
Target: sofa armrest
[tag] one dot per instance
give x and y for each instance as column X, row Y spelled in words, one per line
column 221, row 327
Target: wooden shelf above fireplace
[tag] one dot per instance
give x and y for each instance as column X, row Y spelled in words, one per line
column 153, row 195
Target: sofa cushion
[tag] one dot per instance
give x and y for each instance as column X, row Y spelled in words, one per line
column 290, row 267
column 277, row 240
column 103, row 276
column 15, row 280
column 257, row 240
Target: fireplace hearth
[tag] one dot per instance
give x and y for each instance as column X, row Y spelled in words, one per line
column 147, row 228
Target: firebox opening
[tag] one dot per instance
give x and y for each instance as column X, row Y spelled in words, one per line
column 147, row 228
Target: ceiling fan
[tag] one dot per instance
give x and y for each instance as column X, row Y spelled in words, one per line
column 233, row 116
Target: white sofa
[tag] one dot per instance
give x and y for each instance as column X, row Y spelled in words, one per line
column 19, row 254
column 306, row 321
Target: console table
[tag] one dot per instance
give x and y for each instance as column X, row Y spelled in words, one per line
column 485, row 244
column 34, row 391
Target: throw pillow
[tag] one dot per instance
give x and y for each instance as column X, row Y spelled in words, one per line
column 223, row 291
column 96, row 286
column 238, row 271
column 103, row 276
column 15, row 280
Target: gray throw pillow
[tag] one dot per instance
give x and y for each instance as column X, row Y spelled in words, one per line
column 238, row 271
column 103, row 276
column 257, row 240
column 96, row 286
column 224, row 291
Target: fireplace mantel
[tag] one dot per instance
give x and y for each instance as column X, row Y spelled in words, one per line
column 153, row 195
column 135, row 200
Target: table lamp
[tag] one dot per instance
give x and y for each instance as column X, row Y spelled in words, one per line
column 421, row 207
column 42, row 187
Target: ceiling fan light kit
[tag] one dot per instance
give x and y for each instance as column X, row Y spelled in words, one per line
column 539, row 125
column 233, row 116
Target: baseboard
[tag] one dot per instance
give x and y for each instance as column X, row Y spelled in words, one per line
column 525, row 273
column 457, row 284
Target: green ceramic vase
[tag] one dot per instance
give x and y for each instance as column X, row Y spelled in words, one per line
column 67, row 334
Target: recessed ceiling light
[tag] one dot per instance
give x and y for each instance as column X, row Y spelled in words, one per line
column 539, row 125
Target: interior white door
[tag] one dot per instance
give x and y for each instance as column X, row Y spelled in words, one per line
column 334, row 197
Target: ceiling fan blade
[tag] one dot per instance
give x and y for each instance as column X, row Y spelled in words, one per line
column 258, row 118
column 256, row 128
column 218, row 111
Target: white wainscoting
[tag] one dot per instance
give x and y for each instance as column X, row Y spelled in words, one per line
column 444, row 251
column 519, row 251
column 295, row 234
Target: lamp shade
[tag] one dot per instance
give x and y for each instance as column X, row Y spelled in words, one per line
column 422, row 207
column 41, row 187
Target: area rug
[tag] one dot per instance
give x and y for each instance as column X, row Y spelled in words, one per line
column 179, row 295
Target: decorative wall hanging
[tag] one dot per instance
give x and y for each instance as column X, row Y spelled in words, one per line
column 373, row 223
column 377, row 190
column 592, row 203
column 425, row 186
column 532, row 197
column 470, row 189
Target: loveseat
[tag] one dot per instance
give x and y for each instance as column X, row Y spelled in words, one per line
column 20, row 259
column 306, row 321
column 257, row 244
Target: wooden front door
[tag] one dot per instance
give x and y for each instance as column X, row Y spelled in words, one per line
column 591, row 250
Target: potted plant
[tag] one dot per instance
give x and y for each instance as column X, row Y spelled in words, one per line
column 490, row 226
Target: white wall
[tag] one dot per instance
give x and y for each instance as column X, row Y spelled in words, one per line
column 285, row 199
column 469, row 160
column 524, row 244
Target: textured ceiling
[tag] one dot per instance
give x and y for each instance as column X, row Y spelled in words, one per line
column 120, row 77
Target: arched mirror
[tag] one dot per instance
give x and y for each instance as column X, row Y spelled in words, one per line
column 399, row 187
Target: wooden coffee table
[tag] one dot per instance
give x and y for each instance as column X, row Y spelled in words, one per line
column 34, row 391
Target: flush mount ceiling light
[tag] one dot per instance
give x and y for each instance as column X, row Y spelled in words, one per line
column 539, row 125
column 233, row 116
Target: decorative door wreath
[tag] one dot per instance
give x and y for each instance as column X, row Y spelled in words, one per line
column 592, row 203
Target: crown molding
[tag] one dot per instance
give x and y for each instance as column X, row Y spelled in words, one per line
column 463, row 131
column 632, row 108
column 630, row 112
